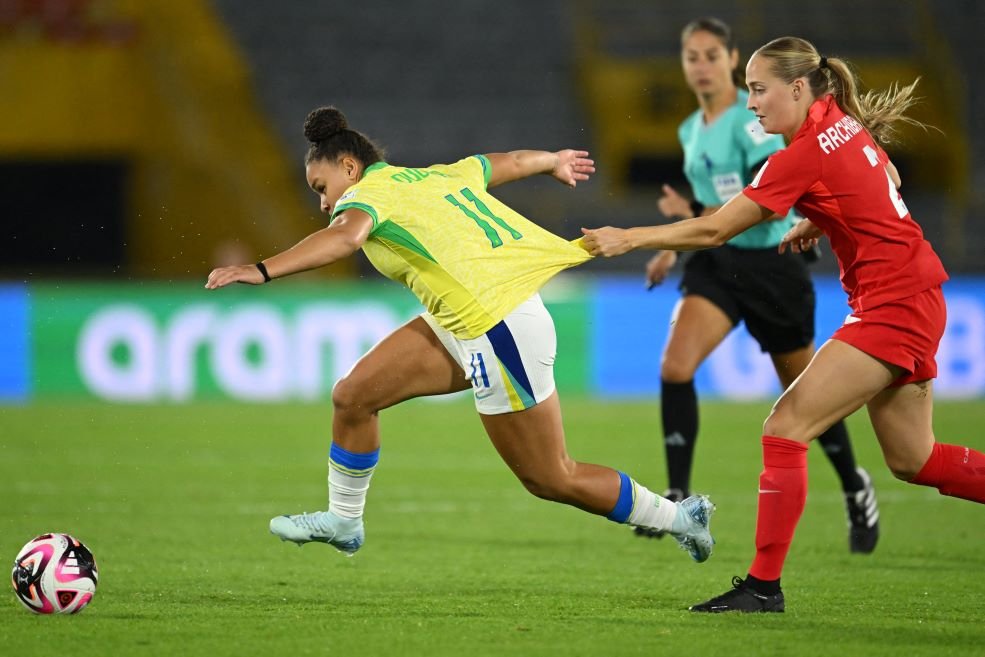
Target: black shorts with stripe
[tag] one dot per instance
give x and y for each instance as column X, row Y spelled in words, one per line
column 771, row 292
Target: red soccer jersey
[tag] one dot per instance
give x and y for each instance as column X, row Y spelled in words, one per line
column 834, row 174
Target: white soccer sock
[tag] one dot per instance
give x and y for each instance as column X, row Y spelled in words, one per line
column 651, row 510
column 347, row 493
column 348, row 480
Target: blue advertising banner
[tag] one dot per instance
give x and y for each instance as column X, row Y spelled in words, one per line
column 629, row 329
column 15, row 352
column 147, row 342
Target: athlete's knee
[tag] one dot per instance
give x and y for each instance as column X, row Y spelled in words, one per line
column 777, row 423
column 351, row 395
column 542, row 488
column 552, row 484
column 677, row 369
column 903, row 466
column 783, row 422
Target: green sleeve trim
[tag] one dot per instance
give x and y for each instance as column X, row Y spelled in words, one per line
column 358, row 206
column 486, row 168
column 398, row 235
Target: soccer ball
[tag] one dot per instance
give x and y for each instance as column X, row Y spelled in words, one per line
column 55, row 574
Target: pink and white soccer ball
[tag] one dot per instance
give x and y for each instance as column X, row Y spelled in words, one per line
column 55, row 574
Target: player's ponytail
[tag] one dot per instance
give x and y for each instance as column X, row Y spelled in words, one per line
column 880, row 112
column 327, row 129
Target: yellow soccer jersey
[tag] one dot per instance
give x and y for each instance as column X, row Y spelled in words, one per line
column 469, row 258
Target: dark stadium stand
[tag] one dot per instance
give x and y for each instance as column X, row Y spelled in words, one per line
column 436, row 81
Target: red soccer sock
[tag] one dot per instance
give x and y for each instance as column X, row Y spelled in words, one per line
column 782, row 494
column 956, row 471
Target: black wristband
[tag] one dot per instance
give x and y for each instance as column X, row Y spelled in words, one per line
column 263, row 270
column 697, row 208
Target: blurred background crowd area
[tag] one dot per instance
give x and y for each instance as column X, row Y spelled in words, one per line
column 155, row 139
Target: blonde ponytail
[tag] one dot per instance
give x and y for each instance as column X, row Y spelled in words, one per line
column 880, row 112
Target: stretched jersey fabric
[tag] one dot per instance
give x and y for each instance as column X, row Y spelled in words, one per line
column 469, row 258
column 835, row 175
column 718, row 161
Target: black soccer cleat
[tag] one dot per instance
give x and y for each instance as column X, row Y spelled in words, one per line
column 743, row 599
column 863, row 517
column 672, row 494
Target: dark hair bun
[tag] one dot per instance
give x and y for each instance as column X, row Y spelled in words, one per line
column 324, row 122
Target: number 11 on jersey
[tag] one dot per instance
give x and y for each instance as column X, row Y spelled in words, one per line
column 490, row 232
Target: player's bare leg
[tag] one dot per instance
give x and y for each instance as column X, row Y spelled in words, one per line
column 901, row 418
column 410, row 362
column 856, row 484
column 839, row 380
column 697, row 327
column 531, row 442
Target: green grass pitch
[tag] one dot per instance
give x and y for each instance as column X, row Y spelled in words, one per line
column 174, row 501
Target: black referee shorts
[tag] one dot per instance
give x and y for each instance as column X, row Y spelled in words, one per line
column 771, row 292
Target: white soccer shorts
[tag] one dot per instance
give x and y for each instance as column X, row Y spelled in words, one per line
column 511, row 366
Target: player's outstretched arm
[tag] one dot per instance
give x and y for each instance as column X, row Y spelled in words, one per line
column 568, row 166
column 346, row 234
column 702, row 232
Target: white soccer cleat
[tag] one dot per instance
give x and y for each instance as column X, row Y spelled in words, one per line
column 691, row 527
column 345, row 534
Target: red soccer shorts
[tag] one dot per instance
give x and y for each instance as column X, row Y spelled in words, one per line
column 905, row 332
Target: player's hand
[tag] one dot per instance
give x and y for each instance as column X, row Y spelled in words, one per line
column 223, row 276
column 657, row 268
column 804, row 236
column 572, row 166
column 672, row 204
column 607, row 241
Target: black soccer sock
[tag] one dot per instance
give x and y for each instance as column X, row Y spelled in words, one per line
column 838, row 448
column 679, row 412
column 762, row 586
